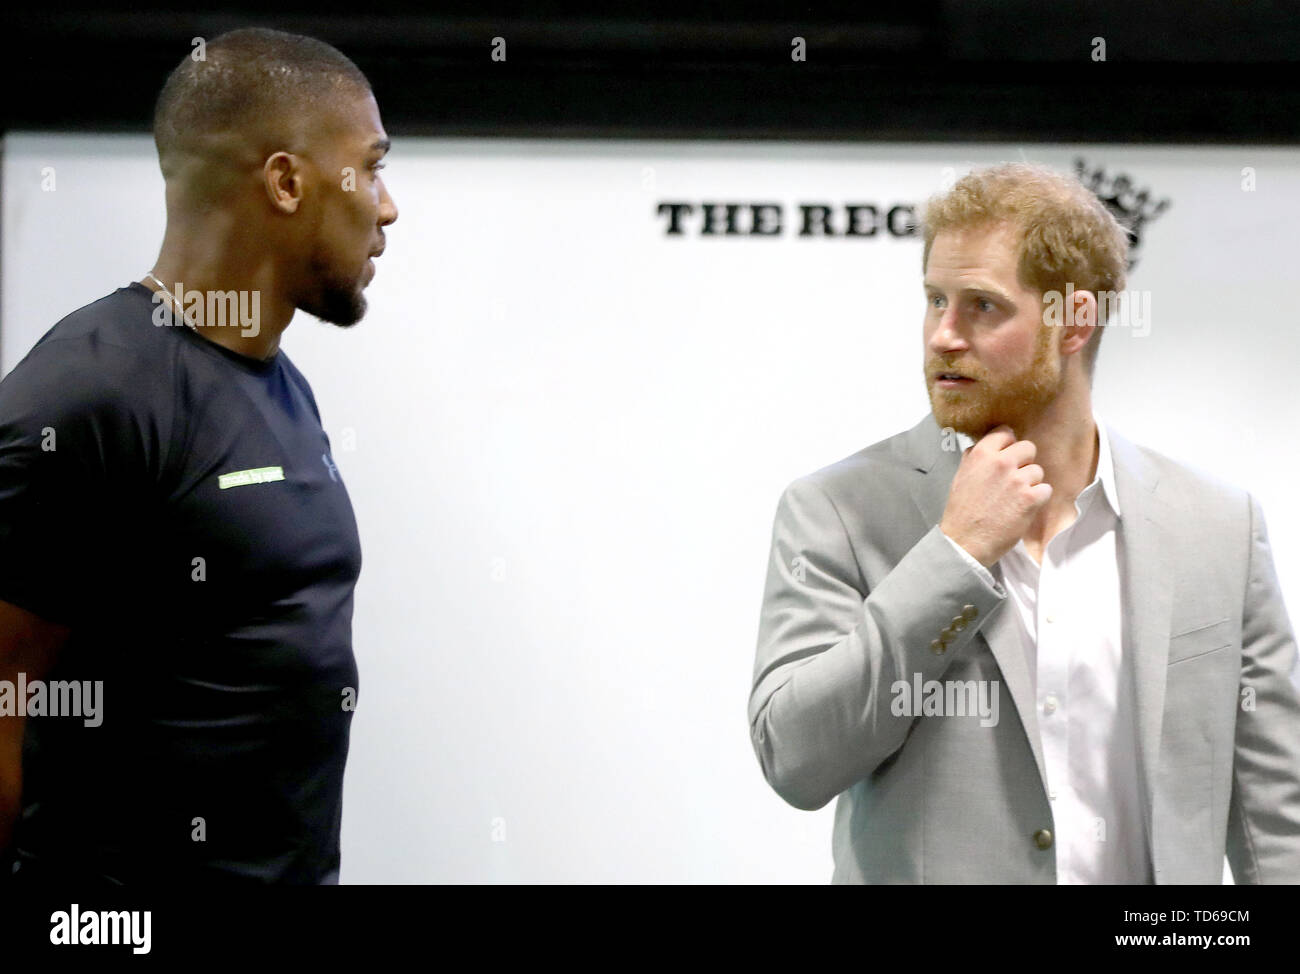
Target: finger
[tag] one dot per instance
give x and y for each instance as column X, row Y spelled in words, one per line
column 1022, row 452
column 998, row 438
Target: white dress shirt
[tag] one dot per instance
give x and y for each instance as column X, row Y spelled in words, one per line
column 1068, row 620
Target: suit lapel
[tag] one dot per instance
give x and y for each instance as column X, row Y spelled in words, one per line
column 1147, row 586
column 925, row 447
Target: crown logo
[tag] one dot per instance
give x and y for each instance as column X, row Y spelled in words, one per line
column 1133, row 208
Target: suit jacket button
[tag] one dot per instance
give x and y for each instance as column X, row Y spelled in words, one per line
column 969, row 612
column 938, row 645
column 958, row 623
column 1043, row 839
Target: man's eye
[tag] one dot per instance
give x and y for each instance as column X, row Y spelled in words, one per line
column 936, row 300
column 984, row 304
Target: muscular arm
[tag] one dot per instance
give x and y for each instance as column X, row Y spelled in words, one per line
column 30, row 645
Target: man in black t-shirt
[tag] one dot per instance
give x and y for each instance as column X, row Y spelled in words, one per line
column 177, row 548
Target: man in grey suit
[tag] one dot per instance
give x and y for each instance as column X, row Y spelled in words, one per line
column 1053, row 656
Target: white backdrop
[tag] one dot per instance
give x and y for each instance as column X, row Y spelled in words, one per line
column 565, row 433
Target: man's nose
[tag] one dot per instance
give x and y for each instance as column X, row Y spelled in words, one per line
column 387, row 209
column 946, row 335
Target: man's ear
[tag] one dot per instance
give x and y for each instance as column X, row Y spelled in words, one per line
column 1081, row 319
column 1084, row 312
column 282, row 177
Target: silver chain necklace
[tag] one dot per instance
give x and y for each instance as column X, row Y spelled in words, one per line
column 179, row 307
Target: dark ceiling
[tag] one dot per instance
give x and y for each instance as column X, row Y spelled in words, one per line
column 926, row 70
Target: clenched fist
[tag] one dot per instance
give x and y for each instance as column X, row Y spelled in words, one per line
column 995, row 496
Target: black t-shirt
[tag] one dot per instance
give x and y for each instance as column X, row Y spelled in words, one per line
column 177, row 505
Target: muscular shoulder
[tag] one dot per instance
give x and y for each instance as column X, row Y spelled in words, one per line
column 99, row 377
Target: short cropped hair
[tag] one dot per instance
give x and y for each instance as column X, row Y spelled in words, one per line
column 245, row 77
column 1067, row 235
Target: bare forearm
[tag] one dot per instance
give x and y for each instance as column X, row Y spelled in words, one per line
column 29, row 645
column 11, row 778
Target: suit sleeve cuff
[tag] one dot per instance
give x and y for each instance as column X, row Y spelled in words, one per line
column 976, row 567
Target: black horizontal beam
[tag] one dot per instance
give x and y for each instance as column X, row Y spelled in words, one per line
column 1003, row 70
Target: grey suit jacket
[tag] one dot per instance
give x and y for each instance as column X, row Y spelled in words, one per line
column 863, row 590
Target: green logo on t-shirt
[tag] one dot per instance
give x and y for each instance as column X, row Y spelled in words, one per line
column 258, row 475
